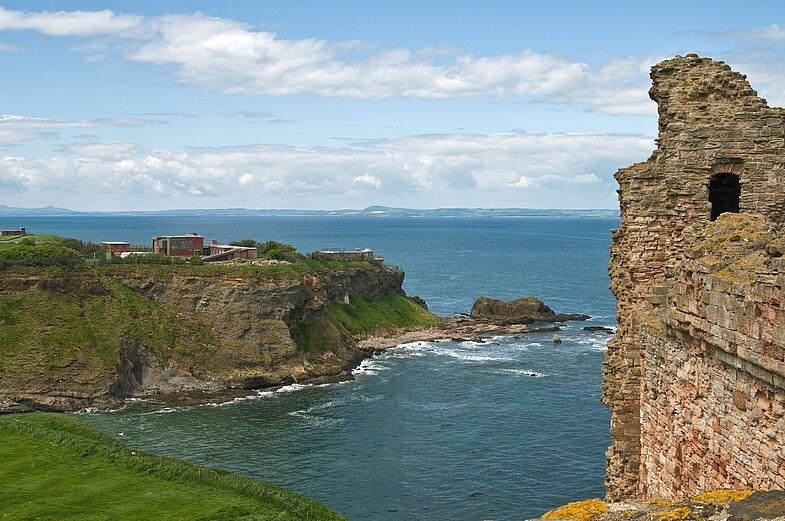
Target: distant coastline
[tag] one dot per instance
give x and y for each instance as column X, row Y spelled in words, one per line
column 371, row 211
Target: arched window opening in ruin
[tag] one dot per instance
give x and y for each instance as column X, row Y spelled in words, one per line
column 724, row 194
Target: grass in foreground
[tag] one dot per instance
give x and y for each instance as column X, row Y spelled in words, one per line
column 55, row 467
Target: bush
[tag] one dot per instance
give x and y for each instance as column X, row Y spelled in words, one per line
column 246, row 243
column 42, row 254
column 279, row 251
column 155, row 258
column 86, row 248
column 272, row 250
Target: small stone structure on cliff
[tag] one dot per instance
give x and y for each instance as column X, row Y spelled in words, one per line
column 695, row 377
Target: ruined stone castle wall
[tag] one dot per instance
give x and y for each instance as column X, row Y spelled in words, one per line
column 714, row 381
column 710, row 122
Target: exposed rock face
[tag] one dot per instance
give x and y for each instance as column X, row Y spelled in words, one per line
column 126, row 331
column 694, row 376
column 519, row 311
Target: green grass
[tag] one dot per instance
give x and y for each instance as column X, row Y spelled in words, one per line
column 383, row 314
column 55, row 467
column 10, row 241
column 261, row 272
column 362, row 316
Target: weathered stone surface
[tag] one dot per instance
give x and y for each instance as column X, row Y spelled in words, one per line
column 717, row 505
column 519, row 311
column 695, row 377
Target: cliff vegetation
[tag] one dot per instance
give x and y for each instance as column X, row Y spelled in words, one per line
column 76, row 333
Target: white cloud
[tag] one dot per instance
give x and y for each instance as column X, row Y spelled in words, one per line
column 366, row 182
column 223, row 55
column 489, row 167
column 227, row 56
column 70, row 23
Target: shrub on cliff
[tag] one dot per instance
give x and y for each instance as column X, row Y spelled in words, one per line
column 279, row 251
column 40, row 254
column 272, row 250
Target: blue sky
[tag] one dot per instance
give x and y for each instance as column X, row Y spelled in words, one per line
column 346, row 104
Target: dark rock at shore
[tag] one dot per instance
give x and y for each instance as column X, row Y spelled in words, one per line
column 598, row 329
column 419, row 301
column 543, row 329
column 519, row 311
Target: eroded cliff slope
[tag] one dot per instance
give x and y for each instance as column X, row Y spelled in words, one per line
column 72, row 336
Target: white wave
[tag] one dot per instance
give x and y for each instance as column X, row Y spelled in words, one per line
column 521, row 372
column 256, row 396
column 309, row 416
column 314, row 420
column 318, row 407
column 414, row 345
column 501, row 338
column 476, row 358
column 370, row 366
column 293, row 387
column 165, row 410
column 471, row 343
column 596, row 344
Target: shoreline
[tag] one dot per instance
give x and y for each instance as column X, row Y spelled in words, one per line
column 460, row 329
column 457, row 329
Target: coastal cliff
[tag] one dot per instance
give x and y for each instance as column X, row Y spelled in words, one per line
column 694, row 377
column 73, row 337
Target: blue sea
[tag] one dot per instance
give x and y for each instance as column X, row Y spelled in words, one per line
column 500, row 429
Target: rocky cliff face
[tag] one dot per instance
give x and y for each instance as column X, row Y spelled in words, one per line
column 73, row 336
column 689, row 346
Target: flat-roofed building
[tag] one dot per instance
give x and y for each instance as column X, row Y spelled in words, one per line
column 223, row 252
column 179, row 245
column 115, row 247
column 20, row 231
column 347, row 255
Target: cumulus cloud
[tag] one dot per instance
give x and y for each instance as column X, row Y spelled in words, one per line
column 425, row 167
column 224, row 55
column 227, row 56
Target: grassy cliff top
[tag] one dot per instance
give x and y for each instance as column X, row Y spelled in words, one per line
column 55, row 467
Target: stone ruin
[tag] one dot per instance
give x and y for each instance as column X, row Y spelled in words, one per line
column 695, row 377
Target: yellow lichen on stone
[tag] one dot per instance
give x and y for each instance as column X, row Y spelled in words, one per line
column 722, row 497
column 658, row 502
column 578, row 510
column 672, row 514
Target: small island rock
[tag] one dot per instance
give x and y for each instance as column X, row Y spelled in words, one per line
column 519, row 311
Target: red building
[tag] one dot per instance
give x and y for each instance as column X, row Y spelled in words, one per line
column 116, row 248
column 178, row 245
